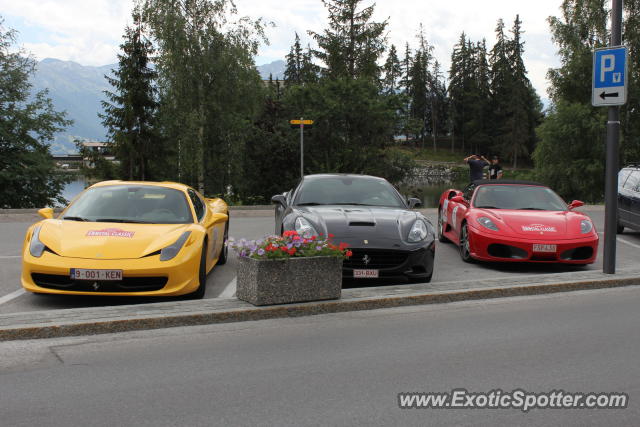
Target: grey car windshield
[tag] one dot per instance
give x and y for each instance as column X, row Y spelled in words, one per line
column 519, row 197
column 340, row 190
column 131, row 203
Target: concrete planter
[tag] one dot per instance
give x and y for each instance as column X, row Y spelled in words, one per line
column 265, row 282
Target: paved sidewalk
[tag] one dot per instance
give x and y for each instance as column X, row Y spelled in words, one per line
column 97, row 320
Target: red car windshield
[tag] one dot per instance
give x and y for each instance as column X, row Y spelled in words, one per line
column 518, row 197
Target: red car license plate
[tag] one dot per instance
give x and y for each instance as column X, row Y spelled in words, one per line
column 89, row 274
column 544, row 248
column 365, row 274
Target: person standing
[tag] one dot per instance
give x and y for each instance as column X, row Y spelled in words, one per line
column 495, row 170
column 476, row 166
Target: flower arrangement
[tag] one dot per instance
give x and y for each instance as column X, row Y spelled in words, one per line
column 290, row 244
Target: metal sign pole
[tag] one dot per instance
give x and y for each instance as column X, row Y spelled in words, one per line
column 611, row 178
column 301, row 148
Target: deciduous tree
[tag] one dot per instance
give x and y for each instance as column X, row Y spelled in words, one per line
column 28, row 122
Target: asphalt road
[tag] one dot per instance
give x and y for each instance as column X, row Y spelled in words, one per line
column 338, row 369
column 221, row 283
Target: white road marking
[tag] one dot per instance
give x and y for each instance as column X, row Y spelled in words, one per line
column 621, row 240
column 229, row 290
column 13, row 295
column 628, row 243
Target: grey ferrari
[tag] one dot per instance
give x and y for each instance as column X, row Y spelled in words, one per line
column 387, row 237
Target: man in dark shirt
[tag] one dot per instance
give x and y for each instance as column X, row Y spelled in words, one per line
column 476, row 166
column 495, row 170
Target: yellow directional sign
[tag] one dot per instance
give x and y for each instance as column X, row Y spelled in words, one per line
column 301, row 122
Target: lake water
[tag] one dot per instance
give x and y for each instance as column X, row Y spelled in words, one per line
column 74, row 188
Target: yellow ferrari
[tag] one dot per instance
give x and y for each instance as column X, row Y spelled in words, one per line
column 127, row 238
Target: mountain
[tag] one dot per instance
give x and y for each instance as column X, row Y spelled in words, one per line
column 275, row 68
column 79, row 89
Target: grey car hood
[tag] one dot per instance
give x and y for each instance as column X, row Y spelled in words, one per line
column 363, row 226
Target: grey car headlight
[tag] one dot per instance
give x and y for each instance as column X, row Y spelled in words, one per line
column 36, row 247
column 172, row 250
column 304, row 228
column 586, row 226
column 487, row 223
column 418, row 231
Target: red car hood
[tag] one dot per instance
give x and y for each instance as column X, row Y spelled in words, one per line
column 533, row 224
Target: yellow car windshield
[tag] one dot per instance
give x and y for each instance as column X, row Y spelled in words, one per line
column 131, row 204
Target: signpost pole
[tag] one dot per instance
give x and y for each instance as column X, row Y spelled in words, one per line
column 611, row 177
column 301, row 148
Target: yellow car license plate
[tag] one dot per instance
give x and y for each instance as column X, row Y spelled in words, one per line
column 90, row 274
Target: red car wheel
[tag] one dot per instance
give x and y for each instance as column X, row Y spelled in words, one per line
column 465, row 247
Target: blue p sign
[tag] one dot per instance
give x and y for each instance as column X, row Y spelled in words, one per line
column 609, row 76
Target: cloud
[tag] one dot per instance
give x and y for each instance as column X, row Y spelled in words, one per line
column 90, row 31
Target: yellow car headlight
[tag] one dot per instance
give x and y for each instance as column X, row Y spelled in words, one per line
column 172, row 250
column 36, row 247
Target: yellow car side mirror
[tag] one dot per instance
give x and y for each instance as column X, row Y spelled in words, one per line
column 46, row 213
column 218, row 217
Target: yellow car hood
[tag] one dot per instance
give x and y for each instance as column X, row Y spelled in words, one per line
column 104, row 240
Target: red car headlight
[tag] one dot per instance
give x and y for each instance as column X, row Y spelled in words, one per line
column 586, row 226
column 487, row 223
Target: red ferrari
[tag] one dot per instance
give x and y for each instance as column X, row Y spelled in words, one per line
column 501, row 220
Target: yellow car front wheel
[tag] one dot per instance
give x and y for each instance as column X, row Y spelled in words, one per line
column 202, row 275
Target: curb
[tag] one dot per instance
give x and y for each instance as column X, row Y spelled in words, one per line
column 59, row 329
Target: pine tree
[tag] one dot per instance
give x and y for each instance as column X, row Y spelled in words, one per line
column 293, row 71
column 482, row 110
column 421, row 84
column 300, row 68
column 129, row 116
column 460, row 81
column 501, row 89
column 352, row 44
column 309, row 71
column 392, row 72
column 355, row 121
column 405, row 91
column 525, row 105
column 438, row 98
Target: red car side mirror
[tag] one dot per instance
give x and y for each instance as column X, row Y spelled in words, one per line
column 575, row 204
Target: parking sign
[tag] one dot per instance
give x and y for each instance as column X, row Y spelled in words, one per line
column 609, row 76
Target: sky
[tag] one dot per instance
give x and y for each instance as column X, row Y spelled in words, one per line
column 90, row 31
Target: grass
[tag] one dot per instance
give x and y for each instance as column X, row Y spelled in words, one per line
column 441, row 155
